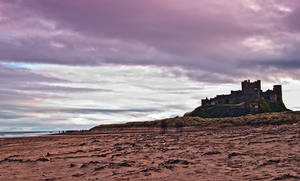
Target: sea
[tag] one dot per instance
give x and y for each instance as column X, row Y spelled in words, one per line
column 25, row 134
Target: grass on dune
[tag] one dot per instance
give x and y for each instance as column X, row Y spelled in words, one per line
column 276, row 118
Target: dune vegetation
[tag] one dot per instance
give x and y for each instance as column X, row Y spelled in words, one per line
column 275, row 118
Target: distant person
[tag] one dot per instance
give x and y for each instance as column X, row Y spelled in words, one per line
column 179, row 126
column 163, row 126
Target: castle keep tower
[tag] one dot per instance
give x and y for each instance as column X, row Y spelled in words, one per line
column 278, row 93
column 251, row 87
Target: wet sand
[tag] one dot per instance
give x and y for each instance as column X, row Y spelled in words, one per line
column 232, row 153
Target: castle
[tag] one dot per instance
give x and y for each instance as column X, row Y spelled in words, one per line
column 251, row 92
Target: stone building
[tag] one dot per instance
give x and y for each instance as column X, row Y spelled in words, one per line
column 251, row 92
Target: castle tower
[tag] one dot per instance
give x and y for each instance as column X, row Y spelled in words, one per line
column 277, row 89
column 245, row 86
column 253, row 88
column 205, row 102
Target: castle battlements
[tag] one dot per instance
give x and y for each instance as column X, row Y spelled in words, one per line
column 251, row 92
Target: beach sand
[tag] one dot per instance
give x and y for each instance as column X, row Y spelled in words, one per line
column 232, row 153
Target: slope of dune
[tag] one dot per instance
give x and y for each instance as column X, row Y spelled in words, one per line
column 276, row 118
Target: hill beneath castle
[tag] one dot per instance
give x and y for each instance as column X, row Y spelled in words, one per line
column 234, row 110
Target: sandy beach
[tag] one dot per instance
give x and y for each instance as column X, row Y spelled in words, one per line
column 232, row 153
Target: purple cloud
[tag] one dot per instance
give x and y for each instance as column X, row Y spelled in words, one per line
column 207, row 36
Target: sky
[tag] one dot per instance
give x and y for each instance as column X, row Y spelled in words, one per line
column 75, row 64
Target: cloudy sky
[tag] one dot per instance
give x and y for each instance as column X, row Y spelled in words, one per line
column 74, row 64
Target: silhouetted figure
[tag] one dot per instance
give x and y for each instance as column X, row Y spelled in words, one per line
column 163, row 126
column 179, row 126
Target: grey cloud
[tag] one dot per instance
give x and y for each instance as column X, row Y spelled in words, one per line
column 167, row 90
column 7, row 115
column 107, row 111
column 282, row 64
column 292, row 20
column 22, row 75
column 276, row 68
column 31, row 109
column 50, row 89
